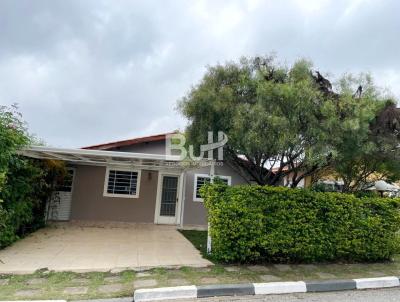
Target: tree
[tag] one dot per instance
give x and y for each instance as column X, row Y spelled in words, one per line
column 275, row 117
column 12, row 137
column 367, row 144
column 13, row 134
column 292, row 122
column 25, row 184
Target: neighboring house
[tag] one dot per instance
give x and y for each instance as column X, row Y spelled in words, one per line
column 131, row 181
column 329, row 185
column 287, row 180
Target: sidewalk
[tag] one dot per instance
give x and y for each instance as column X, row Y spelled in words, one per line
column 46, row 285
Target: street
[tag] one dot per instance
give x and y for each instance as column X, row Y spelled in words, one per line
column 379, row 295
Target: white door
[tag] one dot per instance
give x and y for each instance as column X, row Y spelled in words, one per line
column 60, row 205
column 167, row 199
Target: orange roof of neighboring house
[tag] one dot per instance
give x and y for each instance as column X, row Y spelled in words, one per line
column 285, row 168
column 129, row 142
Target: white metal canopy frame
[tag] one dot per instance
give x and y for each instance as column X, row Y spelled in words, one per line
column 103, row 158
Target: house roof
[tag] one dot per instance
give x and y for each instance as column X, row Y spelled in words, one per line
column 129, row 142
column 276, row 169
column 102, row 157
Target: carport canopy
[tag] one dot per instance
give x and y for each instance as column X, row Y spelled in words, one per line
column 101, row 158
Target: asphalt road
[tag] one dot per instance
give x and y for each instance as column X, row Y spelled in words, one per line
column 379, row 295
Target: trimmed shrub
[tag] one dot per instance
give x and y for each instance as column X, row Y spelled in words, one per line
column 276, row 224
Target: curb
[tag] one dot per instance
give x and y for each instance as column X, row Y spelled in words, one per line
column 270, row 288
column 33, row 300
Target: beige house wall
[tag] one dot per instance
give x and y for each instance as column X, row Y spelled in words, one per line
column 157, row 147
column 88, row 202
column 195, row 213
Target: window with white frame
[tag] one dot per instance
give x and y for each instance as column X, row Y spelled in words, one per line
column 122, row 183
column 65, row 184
column 202, row 179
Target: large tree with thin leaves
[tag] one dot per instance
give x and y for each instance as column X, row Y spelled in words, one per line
column 367, row 144
column 283, row 121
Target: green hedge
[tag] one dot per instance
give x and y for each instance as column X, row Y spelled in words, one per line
column 275, row 224
column 22, row 199
column 25, row 184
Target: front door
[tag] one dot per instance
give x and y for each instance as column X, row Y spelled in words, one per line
column 168, row 197
column 59, row 207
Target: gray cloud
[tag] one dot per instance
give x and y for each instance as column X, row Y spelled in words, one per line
column 86, row 72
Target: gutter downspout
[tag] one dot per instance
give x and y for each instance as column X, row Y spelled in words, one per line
column 183, row 175
column 212, row 174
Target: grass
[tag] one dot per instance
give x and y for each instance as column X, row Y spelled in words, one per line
column 198, row 239
column 53, row 284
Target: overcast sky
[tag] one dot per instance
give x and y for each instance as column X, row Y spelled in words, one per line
column 86, row 72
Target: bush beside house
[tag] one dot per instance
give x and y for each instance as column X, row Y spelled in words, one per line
column 276, row 224
column 25, row 184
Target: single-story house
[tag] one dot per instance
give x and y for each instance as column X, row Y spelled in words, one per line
column 131, row 181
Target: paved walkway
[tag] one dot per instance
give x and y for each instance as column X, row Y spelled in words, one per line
column 45, row 285
column 80, row 248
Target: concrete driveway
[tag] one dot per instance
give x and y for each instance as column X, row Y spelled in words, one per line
column 81, row 247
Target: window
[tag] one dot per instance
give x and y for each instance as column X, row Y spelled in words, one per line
column 65, row 184
column 201, row 179
column 122, row 183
